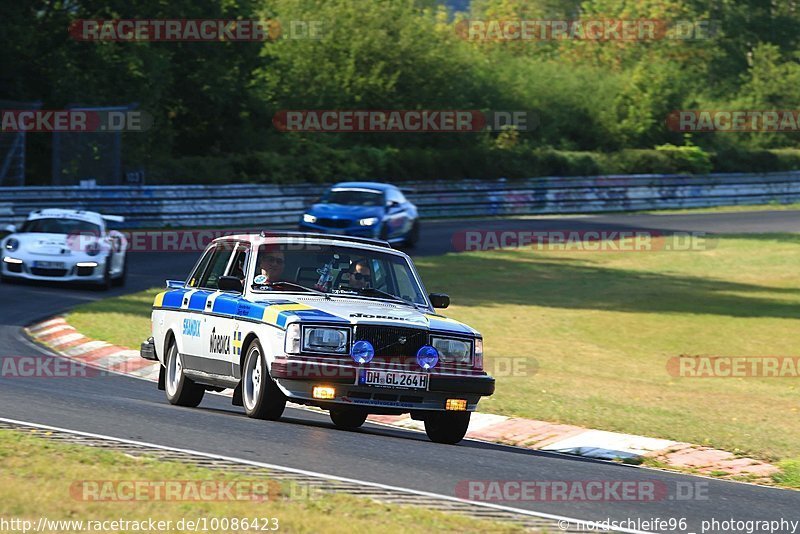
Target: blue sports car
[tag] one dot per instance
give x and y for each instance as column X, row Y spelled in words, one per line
column 364, row 209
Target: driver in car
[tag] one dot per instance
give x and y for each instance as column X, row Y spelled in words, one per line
column 270, row 264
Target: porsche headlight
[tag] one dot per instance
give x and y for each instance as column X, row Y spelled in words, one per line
column 311, row 219
column 12, row 244
column 453, row 350
column 369, row 221
column 324, row 339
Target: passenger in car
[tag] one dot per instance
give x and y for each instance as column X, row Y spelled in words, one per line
column 360, row 275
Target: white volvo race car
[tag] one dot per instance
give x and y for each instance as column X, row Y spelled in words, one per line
column 341, row 323
column 66, row 246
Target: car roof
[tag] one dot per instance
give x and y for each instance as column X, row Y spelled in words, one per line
column 57, row 213
column 377, row 186
column 322, row 239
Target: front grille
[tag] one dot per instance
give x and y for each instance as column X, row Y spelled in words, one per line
column 334, row 223
column 386, row 340
column 38, row 271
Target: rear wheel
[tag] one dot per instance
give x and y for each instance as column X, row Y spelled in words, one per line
column 447, row 427
column 348, row 418
column 261, row 396
column 180, row 389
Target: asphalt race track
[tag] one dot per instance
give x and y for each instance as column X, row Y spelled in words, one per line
column 133, row 409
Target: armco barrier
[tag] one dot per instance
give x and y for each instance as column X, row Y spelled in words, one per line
column 280, row 205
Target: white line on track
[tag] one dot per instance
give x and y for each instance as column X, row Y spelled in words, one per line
column 571, row 520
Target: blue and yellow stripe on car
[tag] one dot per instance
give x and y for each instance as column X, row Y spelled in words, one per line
column 276, row 312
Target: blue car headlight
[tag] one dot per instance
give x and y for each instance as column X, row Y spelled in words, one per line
column 369, row 221
column 427, row 357
column 308, row 218
column 12, row 244
column 362, row 352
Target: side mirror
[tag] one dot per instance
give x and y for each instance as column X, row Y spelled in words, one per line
column 230, row 283
column 439, row 300
column 392, row 204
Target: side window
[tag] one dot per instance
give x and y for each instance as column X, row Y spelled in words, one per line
column 194, row 278
column 216, row 267
column 238, row 266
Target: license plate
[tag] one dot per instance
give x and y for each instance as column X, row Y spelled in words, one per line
column 48, row 264
column 394, row 379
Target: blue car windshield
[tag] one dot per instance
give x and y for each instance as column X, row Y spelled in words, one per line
column 60, row 226
column 353, row 197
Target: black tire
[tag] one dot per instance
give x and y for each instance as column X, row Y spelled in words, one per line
column 447, row 427
column 348, row 418
column 261, row 396
column 180, row 389
column 413, row 235
column 105, row 284
column 123, row 277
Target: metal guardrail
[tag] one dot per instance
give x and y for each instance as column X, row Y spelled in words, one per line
column 279, row 205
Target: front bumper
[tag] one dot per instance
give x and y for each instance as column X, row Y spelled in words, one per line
column 298, row 378
column 355, row 231
column 147, row 350
column 12, row 267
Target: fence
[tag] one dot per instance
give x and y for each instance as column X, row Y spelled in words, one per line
column 281, row 205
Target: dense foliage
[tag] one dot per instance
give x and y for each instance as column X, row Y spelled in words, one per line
column 601, row 105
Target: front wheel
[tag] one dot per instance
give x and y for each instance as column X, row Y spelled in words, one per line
column 261, row 396
column 123, row 277
column 446, row 427
column 413, row 235
column 180, row 389
column 348, row 418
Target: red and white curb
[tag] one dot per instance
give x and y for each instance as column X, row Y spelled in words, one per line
column 65, row 341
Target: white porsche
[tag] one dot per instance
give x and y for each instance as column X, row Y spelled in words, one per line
column 67, row 246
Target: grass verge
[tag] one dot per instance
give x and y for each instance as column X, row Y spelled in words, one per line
column 39, row 478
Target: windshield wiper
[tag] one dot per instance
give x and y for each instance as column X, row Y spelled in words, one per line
column 281, row 283
column 378, row 293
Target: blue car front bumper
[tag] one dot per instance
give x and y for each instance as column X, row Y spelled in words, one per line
column 356, row 231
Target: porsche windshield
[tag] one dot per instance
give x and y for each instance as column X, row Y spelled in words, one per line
column 60, row 226
column 336, row 270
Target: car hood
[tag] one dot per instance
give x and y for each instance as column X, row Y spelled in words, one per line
column 362, row 311
column 345, row 212
column 45, row 244
column 282, row 309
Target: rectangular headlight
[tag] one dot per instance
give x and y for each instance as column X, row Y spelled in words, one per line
column 453, row 350
column 325, row 339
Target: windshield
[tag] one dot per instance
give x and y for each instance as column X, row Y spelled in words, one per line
column 60, row 226
column 353, row 197
column 336, row 270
